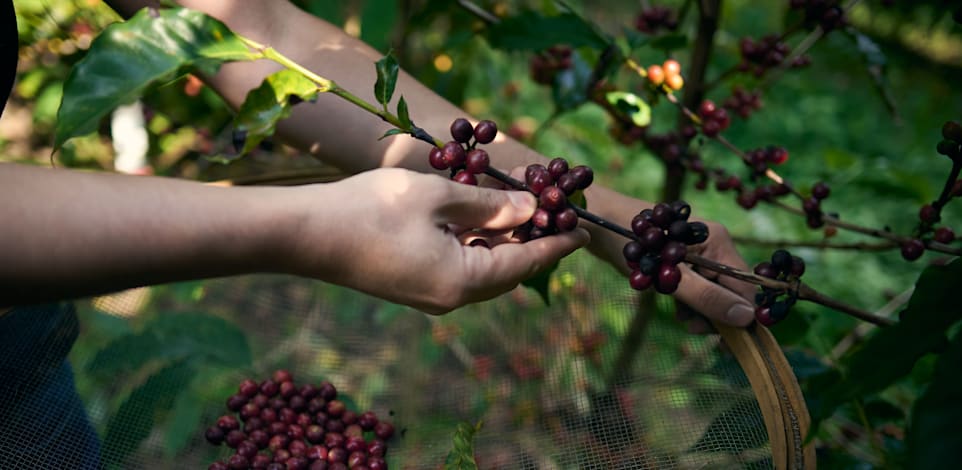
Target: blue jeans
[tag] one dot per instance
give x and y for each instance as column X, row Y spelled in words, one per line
column 43, row 423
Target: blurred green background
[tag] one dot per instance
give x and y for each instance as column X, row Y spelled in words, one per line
column 871, row 137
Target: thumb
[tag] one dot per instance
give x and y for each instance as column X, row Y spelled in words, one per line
column 713, row 300
column 471, row 206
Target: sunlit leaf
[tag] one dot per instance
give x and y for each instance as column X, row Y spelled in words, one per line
column 128, row 57
column 387, row 72
column 632, row 106
column 270, row 103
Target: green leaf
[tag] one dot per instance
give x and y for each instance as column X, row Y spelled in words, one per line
column 387, row 71
column 134, row 420
column 200, row 337
column 931, row 311
column 670, row 42
column 128, row 57
column 532, row 31
column 632, row 106
column 934, row 436
column 461, row 456
column 735, row 430
column 269, row 103
column 184, row 419
column 402, row 113
column 570, row 88
column 540, row 282
column 391, row 132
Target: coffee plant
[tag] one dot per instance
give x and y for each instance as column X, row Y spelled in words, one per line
column 657, row 103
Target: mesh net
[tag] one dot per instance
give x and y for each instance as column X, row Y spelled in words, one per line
column 587, row 382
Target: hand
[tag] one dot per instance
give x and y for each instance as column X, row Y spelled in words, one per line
column 390, row 233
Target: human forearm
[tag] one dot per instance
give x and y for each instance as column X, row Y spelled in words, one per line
column 70, row 234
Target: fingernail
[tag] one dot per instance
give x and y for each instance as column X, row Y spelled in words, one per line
column 522, row 200
column 740, row 314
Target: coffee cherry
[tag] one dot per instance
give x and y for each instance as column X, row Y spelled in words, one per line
column 640, row 223
column 682, row 210
column 566, row 220
column 583, row 175
column 260, row 438
column 674, row 252
column 269, row 388
column 710, row 128
column 384, row 430
column 462, row 130
column 662, row 215
column 478, row 161
column 542, row 218
column 567, row 183
column 557, row 167
column 928, row 214
column 765, row 269
column 706, row 109
column 218, row 466
column 656, row 75
column 764, row 316
column 640, row 281
column 465, row 177
column 913, row 250
column 671, row 67
column 798, row 266
column 214, row 435
column 281, row 456
column 944, row 235
column 248, row 388
column 669, row 276
column 238, row 462
column 236, row 402
column 952, row 130
column 948, row 148
column 552, row 199
column 679, row 230
column 260, row 462
column 234, row 438
column 781, row 260
column 675, row 82
column 436, row 159
column 539, row 181
column 699, row 233
column 228, row 423
column 633, row 251
column 820, row 190
column 247, row 448
column 453, row 155
column 376, row 463
column 652, row 240
column 485, row 132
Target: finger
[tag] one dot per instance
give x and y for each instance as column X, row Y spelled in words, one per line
column 714, row 300
column 500, row 269
column 475, row 207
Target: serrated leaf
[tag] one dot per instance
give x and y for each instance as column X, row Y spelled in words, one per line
column 270, row 103
column 632, row 106
column 540, row 282
column 134, row 420
column 387, row 72
column 200, row 337
column 934, row 435
column 931, row 311
column 461, row 457
column 391, row 132
column 402, row 113
column 532, row 31
column 130, row 56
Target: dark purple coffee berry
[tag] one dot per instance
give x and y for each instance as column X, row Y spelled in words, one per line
column 238, row 462
column 552, row 199
column 281, row 456
column 260, row 438
column 557, row 167
column 798, row 266
column 779, row 310
column 765, row 269
column 567, row 183
column 356, row 459
column 764, row 316
column 236, row 402
column 699, row 233
column 249, row 411
column 485, row 132
column 532, row 170
column 462, row 130
column 228, row 423
column 679, row 230
column 820, row 190
column 929, row 214
column 282, row 375
column 327, row 391
column 947, row 148
column 295, row 432
column 436, row 159
column 377, row 448
column 260, row 462
column 277, row 466
column 652, row 240
column 376, row 463
column 710, row 128
column 277, row 404
column 384, row 430
column 640, row 223
column 287, row 416
column 477, row 161
column 218, row 466
column 297, row 403
column 682, row 210
column 260, row 400
column 649, row 264
column 566, row 220
column 944, row 235
column 248, row 388
column 662, row 215
column 334, row 425
column 269, row 388
column 465, row 177
column 367, row 420
column 253, row 424
column 539, row 181
column 278, row 442
column 542, row 218
column 353, row 430
column 583, row 175
column 669, row 276
column 674, row 252
column 453, row 154
column 317, row 453
column 247, row 449
column 334, row 439
column 747, row 200
column 336, row 454
column 296, row 463
column 913, row 250
column 214, row 435
column 277, row 427
column 781, row 260
column 633, row 251
column 952, row 130
column 297, row 448
column 234, row 438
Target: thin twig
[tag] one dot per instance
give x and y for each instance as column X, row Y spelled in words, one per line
column 820, row 244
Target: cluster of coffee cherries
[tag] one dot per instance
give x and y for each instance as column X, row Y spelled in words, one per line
column 553, row 184
column 662, row 236
column 286, row 426
column 656, row 17
column 714, row 119
column 544, row 67
column 760, row 159
column 812, row 206
column 743, row 103
column 951, row 143
column 461, row 155
column 770, row 307
column 758, row 56
column 825, row 13
column 668, row 74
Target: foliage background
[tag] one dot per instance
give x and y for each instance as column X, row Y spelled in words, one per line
column 830, row 116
